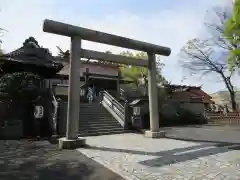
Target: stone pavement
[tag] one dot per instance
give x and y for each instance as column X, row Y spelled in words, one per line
column 136, row 157
column 40, row 160
column 205, row 133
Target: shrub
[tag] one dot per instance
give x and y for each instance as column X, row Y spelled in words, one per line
column 173, row 115
column 20, row 85
column 182, row 117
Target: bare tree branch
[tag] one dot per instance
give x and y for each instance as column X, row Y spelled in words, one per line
column 214, row 22
column 199, row 59
column 199, row 56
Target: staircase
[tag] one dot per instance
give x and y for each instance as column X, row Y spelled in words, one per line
column 96, row 120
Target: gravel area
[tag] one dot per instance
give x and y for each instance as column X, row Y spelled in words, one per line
column 40, row 160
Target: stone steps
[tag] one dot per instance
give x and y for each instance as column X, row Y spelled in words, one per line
column 96, row 120
column 99, row 133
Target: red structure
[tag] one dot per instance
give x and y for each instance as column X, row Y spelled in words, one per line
column 190, row 94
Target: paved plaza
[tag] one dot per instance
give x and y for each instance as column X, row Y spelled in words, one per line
column 40, row 160
column 206, row 133
column 136, row 157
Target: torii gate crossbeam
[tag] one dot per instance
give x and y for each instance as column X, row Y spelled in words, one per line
column 89, row 54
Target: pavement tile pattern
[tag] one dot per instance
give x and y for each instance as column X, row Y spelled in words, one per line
column 136, row 157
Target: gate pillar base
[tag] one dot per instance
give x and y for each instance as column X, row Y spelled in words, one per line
column 65, row 143
column 158, row 134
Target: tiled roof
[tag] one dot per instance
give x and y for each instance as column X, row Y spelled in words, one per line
column 66, row 68
column 186, row 96
column 95, row 62
column 175, row 86
column 32, row 54
column 187, row 93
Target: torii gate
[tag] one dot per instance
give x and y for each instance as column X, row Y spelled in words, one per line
column 77, row 34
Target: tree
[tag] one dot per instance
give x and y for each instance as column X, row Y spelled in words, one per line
column 215, row 22
column 133, row 73
column 210, row 54
column 138, row 74
column 2, row 33
column 63, row 55
column 201, row 59
column 232, row 33
column 20, row 85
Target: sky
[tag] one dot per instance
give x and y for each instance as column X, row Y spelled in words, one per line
column 168, row 23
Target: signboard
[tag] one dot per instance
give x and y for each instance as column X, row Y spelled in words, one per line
column 38, row 112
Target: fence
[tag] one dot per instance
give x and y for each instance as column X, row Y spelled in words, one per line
column 215, row 114
column 230, row 118
column 227, row 120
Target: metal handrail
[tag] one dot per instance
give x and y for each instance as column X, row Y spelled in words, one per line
column 111, row 98
column 113, row 104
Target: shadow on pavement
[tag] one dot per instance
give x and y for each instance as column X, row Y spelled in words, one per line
column 177, row 155
column 205, row 134
column 43, row 161
column 198, row 140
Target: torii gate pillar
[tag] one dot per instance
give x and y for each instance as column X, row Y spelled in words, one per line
column 153, row 99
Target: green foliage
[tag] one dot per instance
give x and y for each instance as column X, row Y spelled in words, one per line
column 233, row 60
column 180, row 117
column 133, row 73
column 20, row 85
column 232, row 33
column 173, row 114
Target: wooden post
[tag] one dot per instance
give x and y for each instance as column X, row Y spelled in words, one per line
column 126, row 115
column 86, row 81
column 101, row 94
column 118, row 85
